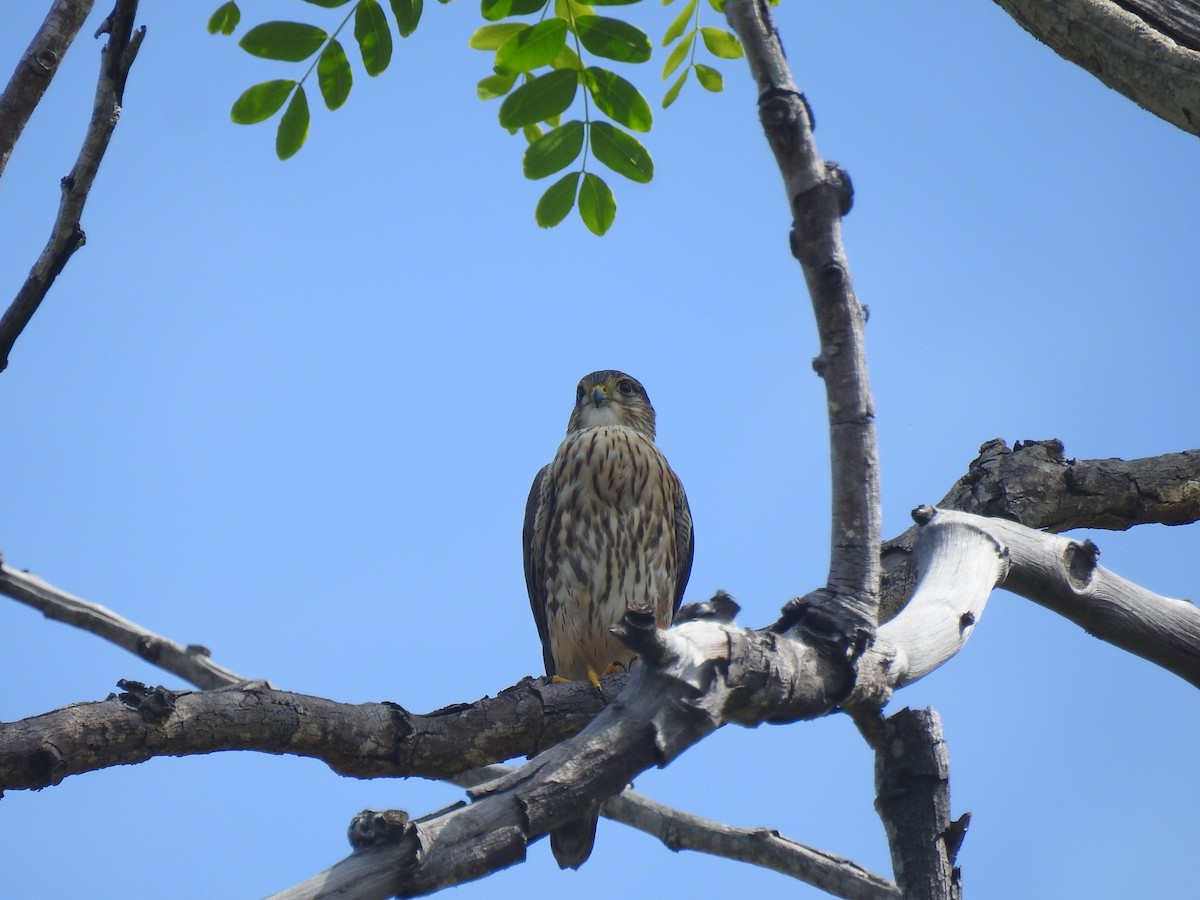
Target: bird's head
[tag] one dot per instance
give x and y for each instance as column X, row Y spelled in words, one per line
column 609, row 397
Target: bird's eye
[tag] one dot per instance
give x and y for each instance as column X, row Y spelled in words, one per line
column 625, row 386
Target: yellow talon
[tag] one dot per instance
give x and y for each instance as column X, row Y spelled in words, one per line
column 594, row 678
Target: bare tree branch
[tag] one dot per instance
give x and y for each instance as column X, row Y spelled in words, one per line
column 972, row 554
column 36, row 69
column 819, row 195
column 192, row 662
column 764, row 847
column 759, row 846
column 1146, row 49
column 66, row 235
column 364, row 740
column 912, row 772
column 1036, row 485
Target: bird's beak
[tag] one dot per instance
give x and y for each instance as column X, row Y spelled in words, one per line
column 599, row 394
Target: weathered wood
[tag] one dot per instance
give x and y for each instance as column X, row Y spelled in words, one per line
column 1146, row 49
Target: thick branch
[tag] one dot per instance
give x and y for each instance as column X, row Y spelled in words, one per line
column 1036, row 485
column 192, row 662
column 66, row 235
column 912, row 785
column 1146, row 49
column 1056, row 572
column 700, row 675
column 818, row 195
column 363, row 740
column 36, row 69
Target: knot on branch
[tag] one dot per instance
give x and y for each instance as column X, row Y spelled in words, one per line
column 835, row 626
column 719, row 608
column 638, row 631
column 1080, row 560
column 778, row 106
column 378, row 826
column 839, row 179
column 154, row 704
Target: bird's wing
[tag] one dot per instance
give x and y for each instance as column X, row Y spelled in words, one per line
column 533, row 540
column 685, row 544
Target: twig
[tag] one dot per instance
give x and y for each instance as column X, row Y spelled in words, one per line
column 191, row 662
column 765, row 847
column 36, row 69
column 67, row 236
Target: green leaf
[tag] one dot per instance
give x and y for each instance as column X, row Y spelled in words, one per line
column 676, row 56
column 490, row 37
column 334, row 75
column 554, row 151
column 719, row 5
column 408, row 15
column 557, row 201
column 721, row 43
column 495, row 9
column 287, row 41
column 293, row 126
column 495, row 86
column 492, row 10
column 532, row 133
column 328, row 4
column 710, row 79
column 261, row 101
column 618, row 99
column 675, row 29
column 621, row 152
column 611, row 2
column 225, row 19
column 673, row 91
column 612, row 38
column 539, row 99
column 373, row 35
column 567, row 59
column 532, row 48
column 597, row 207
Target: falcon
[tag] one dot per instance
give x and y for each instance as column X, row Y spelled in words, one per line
column 607, row 526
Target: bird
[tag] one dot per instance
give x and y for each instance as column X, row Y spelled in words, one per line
column 607, row 526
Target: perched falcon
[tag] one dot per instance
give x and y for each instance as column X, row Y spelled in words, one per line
column 607, row 526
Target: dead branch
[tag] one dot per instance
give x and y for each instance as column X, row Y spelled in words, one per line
column 1037, row 485
column 1146, row 49
column 363, row 740
column 192, row 662
column 36, row 69
column 66, row 235
column 818, row 196
column 765, row 847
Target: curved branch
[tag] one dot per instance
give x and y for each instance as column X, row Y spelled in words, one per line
column 36, row 69
column 818, row 196
column 66, row 235
column 1146, row 49
column 1056, row 572
column 1035, row 484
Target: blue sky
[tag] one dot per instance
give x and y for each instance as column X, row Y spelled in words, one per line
column 291, row 411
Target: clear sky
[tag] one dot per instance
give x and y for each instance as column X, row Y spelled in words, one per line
column 291, row 411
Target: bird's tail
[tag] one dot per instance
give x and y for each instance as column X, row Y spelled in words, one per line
column 572, row 843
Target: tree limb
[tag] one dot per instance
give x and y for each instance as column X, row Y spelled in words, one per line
column 1036, row 485
column 36, row 69
column 67, row 236
column 679, row 830
column 1146, row 49
column 819, row 195
column 192, row 663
